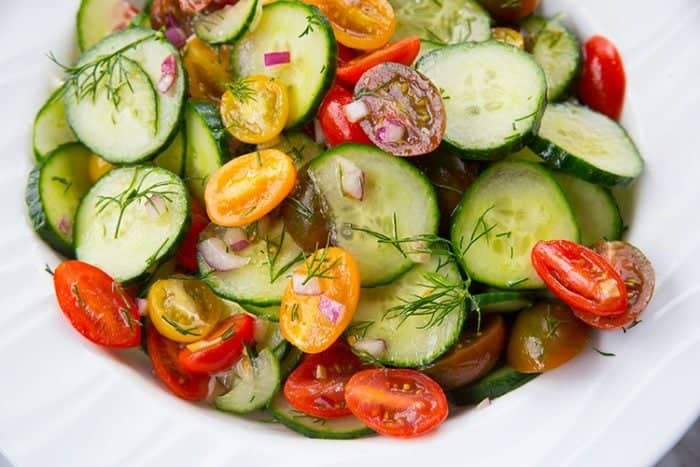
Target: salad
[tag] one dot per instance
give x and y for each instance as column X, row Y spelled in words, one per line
column 344, row 217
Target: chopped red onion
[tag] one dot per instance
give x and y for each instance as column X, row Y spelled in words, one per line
column 417, row 251
column 215, row 253
column 390, row 132
column 176, row 36
column 352, row 179
column 277, row 58
column 142, row 306
column 170, row 21
column 168, row 70
column 312, row 287
column 331, row 309
column 155, row 206
column 355, row 111
column 373, row 347
column 236, row 239
column 64, row 225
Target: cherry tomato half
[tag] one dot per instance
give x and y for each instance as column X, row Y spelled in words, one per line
column 167, row 13
column 208, row 69
column 183, row 309
column 474, row 355
column 396, row 402
column 194, row 6
column 544, row 337
column 317, row 386
column 360, row 24
column 186, row 256
column 404, row 51
column 636, row 271
column 580, row 277
column 603, row 80
column 220, row 349
column 97, row 167
column 304, row 216
column 313, row 322
column 509, row 10
column 97, row 306
column 335, row 125
column 164, row 356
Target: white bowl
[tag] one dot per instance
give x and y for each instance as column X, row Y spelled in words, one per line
column 65, row 402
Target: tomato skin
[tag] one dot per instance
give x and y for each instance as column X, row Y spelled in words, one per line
column 396, row 402
column 164, row 356
column 317, row 386
column 345, row 54
column 208, row 69
column 509, row 11
column 186, row 256
column 580, row 277
column 219, row 353
column 603, row 79
column 637, row 272
column 166, row 12
column 544, row 337
column 404, row 51
column 312, row 231
column 335, row 125
column 97, row 306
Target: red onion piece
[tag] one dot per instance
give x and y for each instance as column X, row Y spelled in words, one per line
column 168, row 70
column 176, row 36
column 355, row 111
column 312, row 287
column 331, row 309
column 236, row 239
column 277, row 58
column 155, row 206
column 352, row 179
column 142, row 306
column 214, row 252
column 373, row 347
column 390, row 132
column 64, row 225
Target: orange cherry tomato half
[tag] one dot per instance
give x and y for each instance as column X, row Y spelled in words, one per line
column 164, row 356
column 580, row 277
column 313, row 322
column 248, row 187
column 404, row 51
column 317, row 386
column 220, row 349
column 186, row 256
column 396, row 402
column 97, row 306
column 359, row 24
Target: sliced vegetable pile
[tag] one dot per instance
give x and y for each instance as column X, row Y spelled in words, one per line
column 341, row 214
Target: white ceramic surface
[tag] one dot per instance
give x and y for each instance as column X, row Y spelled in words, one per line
column 64, row 402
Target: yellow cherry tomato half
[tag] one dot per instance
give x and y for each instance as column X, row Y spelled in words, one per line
column 207, row 69
column 97, row 167
column 359, row 24
column 255, row 109
column 183, row 310
column 248, row 187
column 508, row 36
column 327, row 287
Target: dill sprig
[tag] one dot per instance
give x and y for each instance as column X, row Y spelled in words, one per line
column 318, row 265
column 180, row 329
column 242, row 90
column 273, row 250
column 110, row 71
column 137, row 190
column 604, row 354
column 359, row 328
column 311, row 21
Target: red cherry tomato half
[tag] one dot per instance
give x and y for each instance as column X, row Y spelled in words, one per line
column 220, row 349
column 396, row 402
column 603, row 80
column 164, row 357
column 335, row 125
column 317, row 386
column 187, row 254
column 580, row 277
column 345, row 54
column 404, row 51
column 97, row 306
column 194, row 6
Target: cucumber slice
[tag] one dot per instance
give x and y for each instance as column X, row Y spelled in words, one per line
column 97, row 19
column 525, row 154
column 411, row 341
column 54, row 190
column 143, row 121
column 446, row 22
column 173, row 158
column 296, row 145
column 205, row 145
column 510, row 207
column 124, row 229
column 281, row 350
column 270, row 313
column 256, row 381
column 558, row 52
column 398, row 201
column 594, row 207
column 502, row 301
column 263, row 280
column 290, row 361
column 347, row 427
column 587, row 144
column 271, row 336
column 305, row 33
column 51, row 128
column 496, row 96
column 228, row 24
column 426, row 47
column 497, row 383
